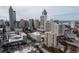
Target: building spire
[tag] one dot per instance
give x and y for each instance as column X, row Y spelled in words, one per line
column 10, row 7
column 44, row 12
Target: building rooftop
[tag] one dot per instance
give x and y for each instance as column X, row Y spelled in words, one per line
column 15, row 38
column 22, row 34
column 36, row 33
column 1, row 29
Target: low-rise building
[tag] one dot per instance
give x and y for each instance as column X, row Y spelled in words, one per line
column 36, row 36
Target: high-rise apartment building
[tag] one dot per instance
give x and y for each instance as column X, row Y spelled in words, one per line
column 50, row 39
column 48, row 26
column 51, row 34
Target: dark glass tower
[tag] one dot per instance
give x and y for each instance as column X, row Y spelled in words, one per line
column 12, row 18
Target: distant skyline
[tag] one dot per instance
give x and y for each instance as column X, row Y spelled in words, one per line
column 53, row 12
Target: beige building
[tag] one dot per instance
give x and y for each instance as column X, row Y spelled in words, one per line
column 49, row 39
column 37, row 24
column 48, row 26
column 22, row 23
column 36, row 36
column 51, row 34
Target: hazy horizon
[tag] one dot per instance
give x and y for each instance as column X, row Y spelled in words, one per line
column 53, row 12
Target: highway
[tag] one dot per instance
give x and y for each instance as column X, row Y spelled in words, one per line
column 73, row 43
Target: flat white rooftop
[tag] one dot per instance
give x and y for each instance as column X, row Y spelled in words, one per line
column 15, row 38
column 1, row 29
column 36, row 33
column 22, row 34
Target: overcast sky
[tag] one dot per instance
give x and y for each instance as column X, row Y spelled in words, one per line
column 53, row 12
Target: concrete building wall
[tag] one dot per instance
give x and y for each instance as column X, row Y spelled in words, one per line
column 48, row 26
column 36, row 23
column 31, row 24
column 61, row 29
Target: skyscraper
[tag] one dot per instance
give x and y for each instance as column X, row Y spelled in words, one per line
column 43, row 20
column 12, row 18
column 31, row 24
